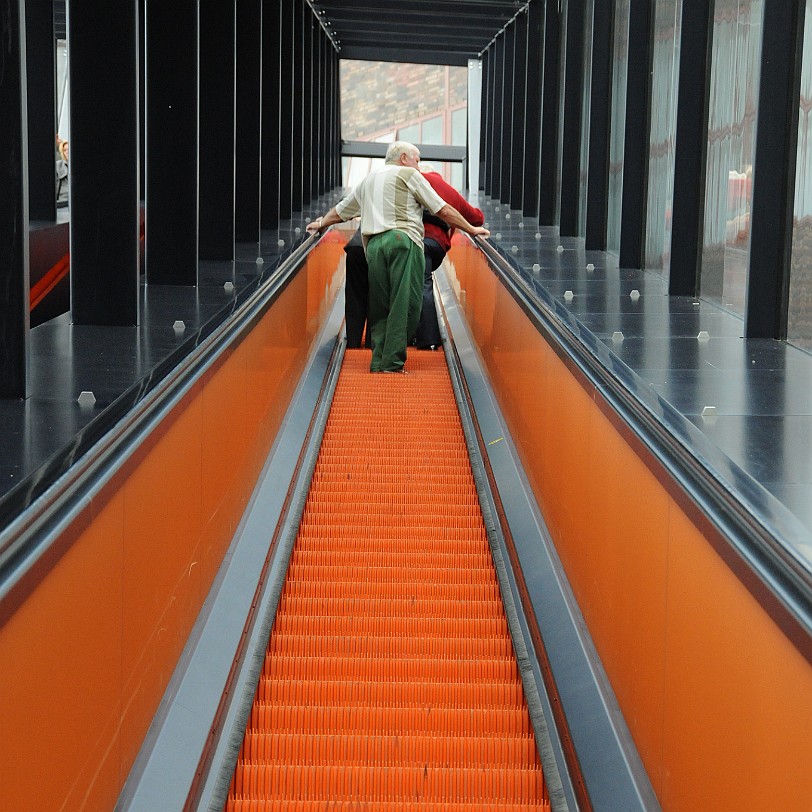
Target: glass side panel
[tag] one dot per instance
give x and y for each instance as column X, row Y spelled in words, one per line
column 586, row 106
column 662, row 136
column 799, row 324
column 617, row 138
column 734, row 82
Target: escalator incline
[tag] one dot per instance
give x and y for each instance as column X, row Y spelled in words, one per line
column 390, row 680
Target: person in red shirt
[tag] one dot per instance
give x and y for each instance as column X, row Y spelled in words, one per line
column 436, row 242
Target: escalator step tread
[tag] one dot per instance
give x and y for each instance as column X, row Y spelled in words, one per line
column 390, row 680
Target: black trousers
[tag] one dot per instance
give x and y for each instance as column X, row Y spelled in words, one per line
column 428, row 331
column 356, row 294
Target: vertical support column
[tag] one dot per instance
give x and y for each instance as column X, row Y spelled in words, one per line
column 573, row 103
column 690, row 151
column 550, row 123
column 597, row 197
column 329, row 102
column 142, row 97
column 485, row 128
column 14, row 281
column 269, row 146
column 474, row 123
column 326, row 99
column 517, row 179
column 495, row 157
column 307, row 107
column 297, row 153
column 104, row 183
column 775, row 162
column 336, row 133
column 505, row 157
column 638, row 132
column 315, row 109
column 172, row 141
column 535, row 79
column 41, row 69
column 286, row 55
column 321, row 96
column 250, row 24
column 217, row 122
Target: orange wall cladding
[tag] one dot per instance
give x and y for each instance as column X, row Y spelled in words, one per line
column 88, row 654
column 717, row 698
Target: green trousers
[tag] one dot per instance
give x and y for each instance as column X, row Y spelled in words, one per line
column 396, row 268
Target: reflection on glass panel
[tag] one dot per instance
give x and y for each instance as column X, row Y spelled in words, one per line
column 667, row 16
column 731, row 146
column 432, row 131
column 62, row 155
column 617, row 138
column 799, row 325
column 410, row 134
column 459, row 127
column 457, row 176
column 355, row 170
column 586, row 101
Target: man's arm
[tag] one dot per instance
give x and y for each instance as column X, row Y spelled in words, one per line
column 454, row 218
column 329, row 219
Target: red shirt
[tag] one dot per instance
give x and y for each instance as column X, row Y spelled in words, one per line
column 451, row 196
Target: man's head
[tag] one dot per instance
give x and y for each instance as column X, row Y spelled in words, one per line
column 403, row 153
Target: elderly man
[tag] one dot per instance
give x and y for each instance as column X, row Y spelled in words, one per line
column 390, row 201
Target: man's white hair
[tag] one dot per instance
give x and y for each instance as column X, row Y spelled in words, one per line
column 398, row 148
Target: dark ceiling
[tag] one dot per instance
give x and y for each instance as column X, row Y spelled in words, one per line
column 440, row 32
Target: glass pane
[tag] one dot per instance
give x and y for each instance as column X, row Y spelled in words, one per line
column 62, row 155
column 459, row 127
column 410, row 133
column 432, row 131
column 356, row 170
column 457, row 179
column 667, row 16
column 799, row 326
column 731, row 145
column 617, row 138
column 586, row 103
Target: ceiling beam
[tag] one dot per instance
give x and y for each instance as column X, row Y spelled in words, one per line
column 418, row 56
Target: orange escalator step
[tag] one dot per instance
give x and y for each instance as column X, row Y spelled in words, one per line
column 390, row 681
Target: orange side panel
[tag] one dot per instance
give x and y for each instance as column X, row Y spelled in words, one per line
column 88, row 653
column 60, row 682
column 718, row 700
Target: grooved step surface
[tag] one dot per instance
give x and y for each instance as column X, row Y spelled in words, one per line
column 390, row 680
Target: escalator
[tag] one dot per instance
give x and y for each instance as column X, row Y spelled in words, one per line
column 390, row 679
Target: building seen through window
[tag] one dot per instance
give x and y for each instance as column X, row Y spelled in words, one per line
column 387, row 101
